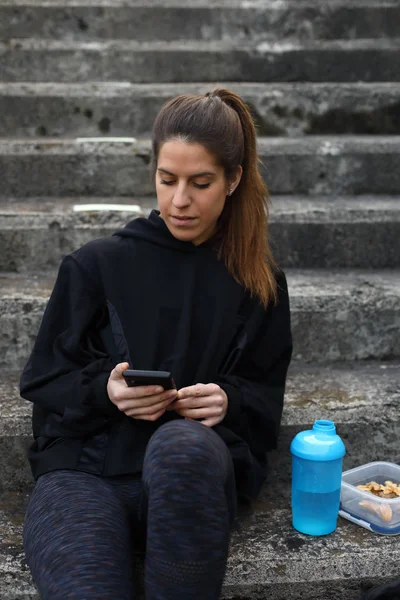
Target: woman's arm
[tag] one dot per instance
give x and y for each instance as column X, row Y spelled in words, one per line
column 67, row 373
column 255, row 386
column 249, row 398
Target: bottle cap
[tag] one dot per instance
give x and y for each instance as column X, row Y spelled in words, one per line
column 319, row 443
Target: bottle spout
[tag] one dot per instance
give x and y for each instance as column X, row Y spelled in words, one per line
column 322, row 426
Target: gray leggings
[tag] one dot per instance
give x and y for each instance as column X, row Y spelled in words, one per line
column 82, row 530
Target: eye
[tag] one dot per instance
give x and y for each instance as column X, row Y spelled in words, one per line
column 202, row 186
column 166, row 182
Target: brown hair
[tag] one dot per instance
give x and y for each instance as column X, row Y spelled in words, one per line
column 222, row 123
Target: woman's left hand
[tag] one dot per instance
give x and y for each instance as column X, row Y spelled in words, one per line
column 205, row 401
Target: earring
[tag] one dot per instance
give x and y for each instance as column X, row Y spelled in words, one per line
column 230, row 192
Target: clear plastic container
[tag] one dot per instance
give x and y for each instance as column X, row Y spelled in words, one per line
column 380, row 515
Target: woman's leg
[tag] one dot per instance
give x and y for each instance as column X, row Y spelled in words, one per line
column 191, row 502
column 77, row 538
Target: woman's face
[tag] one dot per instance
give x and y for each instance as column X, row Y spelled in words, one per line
column 191, row 190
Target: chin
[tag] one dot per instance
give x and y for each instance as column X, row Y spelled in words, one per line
column 185, row 236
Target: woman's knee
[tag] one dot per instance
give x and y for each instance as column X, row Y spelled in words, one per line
column 182, row 441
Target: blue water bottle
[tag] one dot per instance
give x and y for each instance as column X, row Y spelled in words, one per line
column 317, row 460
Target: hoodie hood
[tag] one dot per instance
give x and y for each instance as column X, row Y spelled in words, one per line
column 154, row 229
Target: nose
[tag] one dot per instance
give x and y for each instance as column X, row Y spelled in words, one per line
column 181, row 197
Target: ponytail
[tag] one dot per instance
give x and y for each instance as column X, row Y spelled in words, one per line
column 245, row 247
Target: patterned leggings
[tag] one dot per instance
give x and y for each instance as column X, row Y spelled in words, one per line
column 81, row 530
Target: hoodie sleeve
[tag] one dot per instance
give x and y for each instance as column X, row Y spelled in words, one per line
column 68, row 370
column 255, row 386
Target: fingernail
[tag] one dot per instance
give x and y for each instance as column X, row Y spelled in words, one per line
column 158, row 390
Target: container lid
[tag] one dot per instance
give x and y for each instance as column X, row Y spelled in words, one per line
column 319, row 443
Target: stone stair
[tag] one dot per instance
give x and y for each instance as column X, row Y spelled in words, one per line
column 311, row 165
column 268, row 558
column 118, row 108
column 336, row 315
column 199, row 19
column 323, row 83
column 364, row 231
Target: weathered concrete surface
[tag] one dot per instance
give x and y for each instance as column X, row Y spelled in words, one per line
column 267, row 555
column 15, row 579
column 31, row 240
column 15, row 435
column 346, row 315
column 362, row 398
column 268, row 558
column 305, row 233
column 336, row 232
column 314, row 165
column 120, row 109
column 176, row 20
column 330, row 165
column 248, row 4
column 80, row 168
column 169, row 62
column 336, row 315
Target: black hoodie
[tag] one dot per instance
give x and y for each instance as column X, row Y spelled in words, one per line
column 159, row 303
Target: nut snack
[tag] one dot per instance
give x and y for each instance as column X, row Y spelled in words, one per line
column 389, row 490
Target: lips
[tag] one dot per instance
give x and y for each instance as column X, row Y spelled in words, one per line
column 182, row 221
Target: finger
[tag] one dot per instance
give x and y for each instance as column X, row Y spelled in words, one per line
column 199, row 413
column 211, row 422
column 116, row 373
column 146, row 410
column 130, row 403
column 200, row 402
column 142, row 391
column 173, row 404
column 200, row 389
column 151, row 417
column 146, row 394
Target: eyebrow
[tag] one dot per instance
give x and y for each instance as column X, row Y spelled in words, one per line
column 202, row 174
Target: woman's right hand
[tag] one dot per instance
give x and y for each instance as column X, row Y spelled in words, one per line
column 146, row 402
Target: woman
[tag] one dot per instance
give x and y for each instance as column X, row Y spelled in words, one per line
column 193, row 290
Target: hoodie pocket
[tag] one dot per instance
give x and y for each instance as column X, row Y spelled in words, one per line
column 43, row 444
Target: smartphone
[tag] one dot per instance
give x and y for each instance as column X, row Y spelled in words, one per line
column 164, row 378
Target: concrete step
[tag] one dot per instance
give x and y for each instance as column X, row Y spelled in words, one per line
column 362, row 398
column 336, row 315
column 353, row 232
column 295, row 109
column 15, row 579
column 37, row 236
column 323, row 166
column 267, row 559
column 206, row 20
column 44, row 60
